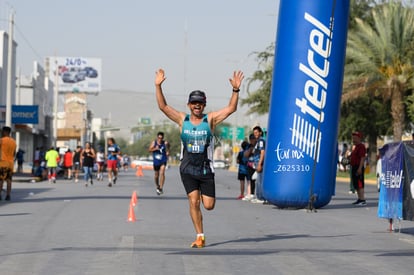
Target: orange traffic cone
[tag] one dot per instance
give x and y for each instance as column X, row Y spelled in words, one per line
column 139, row 171
column 131, row 213
column 134, row 198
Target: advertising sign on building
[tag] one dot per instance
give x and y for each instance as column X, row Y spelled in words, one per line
column 21, row 114
column 75, row 74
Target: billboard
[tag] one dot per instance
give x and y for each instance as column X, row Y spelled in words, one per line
column 75, row 74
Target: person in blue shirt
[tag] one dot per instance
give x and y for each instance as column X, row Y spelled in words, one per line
column 197, row 146
column 160, row 151
column 243, row 171
column 112, row 161
column 258, row 154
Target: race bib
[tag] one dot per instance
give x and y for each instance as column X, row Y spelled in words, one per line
column 195, row 148
column 158, row 156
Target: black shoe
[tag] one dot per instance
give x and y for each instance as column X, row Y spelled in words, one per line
column 7, row 198
column 356, row 202
column 115, row 180
column 362, row 202
column 158, row 191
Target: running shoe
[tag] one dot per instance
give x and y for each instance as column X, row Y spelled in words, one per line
column 248, row 198
column 200, row 242
column 257, row 201
column 161, row 191
column 357, row 202
column 115, row 180
column 362, row 202
column 7, row 197
column 240, row 197
column 158, row 191
column 110, row 184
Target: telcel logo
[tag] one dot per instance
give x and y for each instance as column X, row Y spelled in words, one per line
column 305, row 135
column 391, row 179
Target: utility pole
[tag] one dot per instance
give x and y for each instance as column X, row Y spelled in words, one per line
column 18, row 103
column 9, row 72
column 55, row 103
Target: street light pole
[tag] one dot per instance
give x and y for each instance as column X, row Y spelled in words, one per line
column 9, row 73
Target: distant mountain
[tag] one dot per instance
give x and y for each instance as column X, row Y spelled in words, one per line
column 124, row 109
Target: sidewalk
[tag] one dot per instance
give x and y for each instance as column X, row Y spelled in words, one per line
column 28, row 177
column 25, row 177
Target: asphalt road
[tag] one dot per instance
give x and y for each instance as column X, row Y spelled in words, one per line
column 67, row 228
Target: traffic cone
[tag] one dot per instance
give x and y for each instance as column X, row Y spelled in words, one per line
column 134, row 198
column 131, row 213
column 139, row 171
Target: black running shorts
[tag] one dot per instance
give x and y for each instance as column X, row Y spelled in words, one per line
column 204, row 183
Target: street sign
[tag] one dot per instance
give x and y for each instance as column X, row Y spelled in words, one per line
column 145, row 120
column 228, row 132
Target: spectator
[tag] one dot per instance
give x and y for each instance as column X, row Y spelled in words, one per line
column 358, row 156
column 20, row 160
column 258, row 153
column 243, row 172
column 7, row 153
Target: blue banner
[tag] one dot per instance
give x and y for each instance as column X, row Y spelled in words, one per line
column 25, row 114
column 408, row 188
column 300, row 158
column 391, row 178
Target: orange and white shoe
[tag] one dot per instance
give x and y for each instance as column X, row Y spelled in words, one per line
column 200, row 242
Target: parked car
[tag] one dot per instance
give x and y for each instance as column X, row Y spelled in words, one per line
column 90, row 72
column 220, row 164
column 80, row 75
column 69, row 77
column 145, row 163
column 73, row 75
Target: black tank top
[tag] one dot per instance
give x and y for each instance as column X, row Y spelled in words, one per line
column 87, row 158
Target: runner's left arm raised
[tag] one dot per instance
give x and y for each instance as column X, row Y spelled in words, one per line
column 217, row 117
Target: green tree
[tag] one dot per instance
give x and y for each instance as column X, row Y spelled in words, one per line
column 259, row 85
column 367, row 114
column 140, row 147
column 361, row 9
column 379, row 60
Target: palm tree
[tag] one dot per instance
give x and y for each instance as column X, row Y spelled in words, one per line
column 380, row 59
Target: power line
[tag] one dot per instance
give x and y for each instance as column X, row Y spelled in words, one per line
column 28, row 43
column 16, row 26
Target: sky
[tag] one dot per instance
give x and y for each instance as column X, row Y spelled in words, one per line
column 198, row 43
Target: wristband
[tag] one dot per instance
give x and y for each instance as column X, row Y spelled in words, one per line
column 236, row 90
